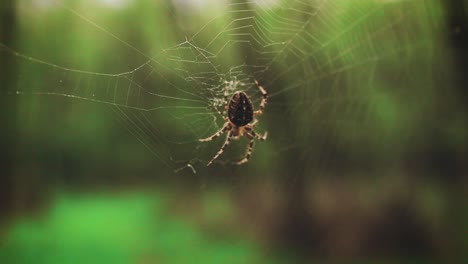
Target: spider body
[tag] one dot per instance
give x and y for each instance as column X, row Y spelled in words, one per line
column 240, row 121
column 240, row 109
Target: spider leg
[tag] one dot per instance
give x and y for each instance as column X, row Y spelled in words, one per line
column 251, row 135
column 226, row 98
column 254, row 123
column 225, row 102
column 248, row 153
column 264, row 99
column 260, row 137
column 221, row 114
column 226, row 143
column 217, row 134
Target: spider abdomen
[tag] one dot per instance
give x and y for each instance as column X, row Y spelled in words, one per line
column 240, row 109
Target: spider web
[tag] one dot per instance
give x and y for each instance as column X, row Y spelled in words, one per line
column 325, row 65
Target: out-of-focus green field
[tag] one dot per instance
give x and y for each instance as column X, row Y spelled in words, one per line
column 120, row 228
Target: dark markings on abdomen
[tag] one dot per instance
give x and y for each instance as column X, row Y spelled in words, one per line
column 240, row 110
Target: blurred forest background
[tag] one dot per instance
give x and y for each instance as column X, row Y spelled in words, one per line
column 102, row 104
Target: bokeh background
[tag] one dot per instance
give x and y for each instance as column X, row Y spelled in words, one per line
column 102, row 103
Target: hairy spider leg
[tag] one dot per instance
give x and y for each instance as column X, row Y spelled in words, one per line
column 264, row 99
column 250, row 128
column 225, row 102
column 254, row 123
column 248, row 153
column 226, row 143
column 221, row 114
column 226, row 106
column 225, row 128
column 251, row 135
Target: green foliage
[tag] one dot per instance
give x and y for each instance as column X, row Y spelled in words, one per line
column 120, row 228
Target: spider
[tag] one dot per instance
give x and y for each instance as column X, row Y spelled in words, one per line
column 239, row 121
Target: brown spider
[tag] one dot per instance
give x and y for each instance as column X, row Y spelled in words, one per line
column 240, row 114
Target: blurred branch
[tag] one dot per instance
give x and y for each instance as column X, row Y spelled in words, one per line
column 458, row 34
